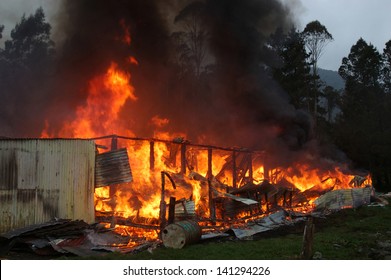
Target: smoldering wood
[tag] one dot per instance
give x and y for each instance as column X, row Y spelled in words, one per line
column 171, row 210
column 130, row 221
column 250, row 167
column 234, row 169
column 316, row 191
column 212, row 209
column 114, row 143
column 213, row 181
column 209, row 173
column 179, row 180
column 173, row 149
column 151, row 155
column 183, row 159
column 244, row 167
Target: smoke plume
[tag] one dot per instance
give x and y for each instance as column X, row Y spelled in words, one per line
column 232, row 101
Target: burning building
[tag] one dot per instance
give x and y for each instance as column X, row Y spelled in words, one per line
column 120, row 76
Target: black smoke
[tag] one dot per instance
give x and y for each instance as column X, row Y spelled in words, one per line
column 235, row 102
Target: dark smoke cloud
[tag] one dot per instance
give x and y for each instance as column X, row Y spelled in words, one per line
column 237, row 103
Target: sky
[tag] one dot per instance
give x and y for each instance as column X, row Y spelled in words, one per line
column 346, row 20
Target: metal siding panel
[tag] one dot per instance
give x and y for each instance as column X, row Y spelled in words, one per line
column 49, row 178
column 112, row 168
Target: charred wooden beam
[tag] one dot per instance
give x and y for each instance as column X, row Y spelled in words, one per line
column 308, row 239
column 234, row 169
column 126, row 222
column 212, row 209
column 113, row 188
column 183, row 158
column 267, row 202
column 209, row 174
column 163, row 206
column 151, row 155
column 250, row 168
column 171, row 210
column 114, row 143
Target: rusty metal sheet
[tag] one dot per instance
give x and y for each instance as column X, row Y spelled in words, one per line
column 340, row 199
column 112, row 168
column 43, row 179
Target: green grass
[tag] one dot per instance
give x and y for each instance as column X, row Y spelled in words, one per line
column 348, row 234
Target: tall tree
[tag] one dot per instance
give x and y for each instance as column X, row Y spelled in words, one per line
column 387, row 67
column 362, row 66
column 293, row 71
column 316, row 38
column 25, row 63
column 193, row 37
column 30, row 41
column 363, row 128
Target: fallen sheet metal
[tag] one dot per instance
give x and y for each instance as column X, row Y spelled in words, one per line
column 246, row 201
column 346, row 198
column 270, row 222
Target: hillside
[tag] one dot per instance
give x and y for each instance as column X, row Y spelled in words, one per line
column 331, row 78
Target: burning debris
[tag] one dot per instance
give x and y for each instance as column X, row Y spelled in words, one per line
column 186, row 200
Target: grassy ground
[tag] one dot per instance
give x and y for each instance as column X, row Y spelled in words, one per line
column 350, row 234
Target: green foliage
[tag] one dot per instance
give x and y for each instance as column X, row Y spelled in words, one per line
column 30, row 42
column 362, row 66
column 387, row 67
column 293, row 71
column 25, row 62
column 364, row 127
column 316, row 37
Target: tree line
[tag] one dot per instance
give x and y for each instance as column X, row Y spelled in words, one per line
column 356, row 119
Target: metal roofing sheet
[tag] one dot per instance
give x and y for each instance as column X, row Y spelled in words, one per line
column 112, row 168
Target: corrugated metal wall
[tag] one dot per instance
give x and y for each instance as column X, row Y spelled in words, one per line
column 41, row 179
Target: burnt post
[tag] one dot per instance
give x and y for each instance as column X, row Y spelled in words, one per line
column 266, row 170
column 113, row 188
column 212, row 209
column 171, row 210
column 114, row 143
column 209, row 172
column 250, row 167
column 234, row 168
column 163, row 205
column 152, row 155
column 308, row 240
column 183, row 158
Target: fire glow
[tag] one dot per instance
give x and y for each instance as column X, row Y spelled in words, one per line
column 195, row 169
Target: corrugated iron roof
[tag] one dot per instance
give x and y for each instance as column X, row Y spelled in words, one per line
column 112, row 168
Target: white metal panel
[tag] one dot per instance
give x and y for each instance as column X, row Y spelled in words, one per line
column 41, row 179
